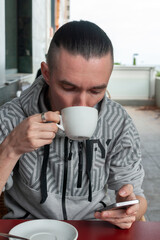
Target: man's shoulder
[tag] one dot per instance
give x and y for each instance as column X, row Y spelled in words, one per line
column 111, row 106
column 11, row 110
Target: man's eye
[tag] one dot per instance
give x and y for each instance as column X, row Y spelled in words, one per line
column 96, row 91
column 68, row 88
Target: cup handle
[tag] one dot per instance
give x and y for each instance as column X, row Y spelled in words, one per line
column 60, row 125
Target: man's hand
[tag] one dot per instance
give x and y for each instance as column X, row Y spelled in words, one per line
column 33, row 133
column 29, row 135
column 122, row 218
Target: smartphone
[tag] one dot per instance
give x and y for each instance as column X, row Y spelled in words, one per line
column 119, row 205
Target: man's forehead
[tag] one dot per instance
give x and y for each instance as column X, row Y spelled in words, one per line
column 77, row 71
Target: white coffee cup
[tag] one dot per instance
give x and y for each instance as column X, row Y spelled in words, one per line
column 78, row 122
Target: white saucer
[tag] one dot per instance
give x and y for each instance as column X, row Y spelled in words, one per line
column 45, row 229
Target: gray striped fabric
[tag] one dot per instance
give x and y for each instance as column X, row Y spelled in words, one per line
column 121, row 164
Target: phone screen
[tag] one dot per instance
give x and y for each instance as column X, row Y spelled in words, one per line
column 119, row 205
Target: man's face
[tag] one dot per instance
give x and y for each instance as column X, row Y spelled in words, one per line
column 76, row 81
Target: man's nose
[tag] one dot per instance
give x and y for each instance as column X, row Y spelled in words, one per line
column 81, row 100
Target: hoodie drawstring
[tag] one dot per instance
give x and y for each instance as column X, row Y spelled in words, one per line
column 80, row 164
column 43, row 180
column 89, row 159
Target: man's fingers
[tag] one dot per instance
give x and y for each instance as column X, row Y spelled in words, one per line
column 35, row 128
column 116, row 221
column 45, row 117
column 48, row 127
column 133, row 209
column 114, row 213
column 126, row 190
column 121, row 220
column 50, row 117
column 46, row 135
column 111, row 214
column 118, row 213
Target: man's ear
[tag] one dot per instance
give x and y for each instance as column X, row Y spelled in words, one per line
column 45, row 72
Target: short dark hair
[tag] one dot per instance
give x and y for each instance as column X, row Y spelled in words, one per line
column 80, row 37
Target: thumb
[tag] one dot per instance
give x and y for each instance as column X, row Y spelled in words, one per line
column 126, row 190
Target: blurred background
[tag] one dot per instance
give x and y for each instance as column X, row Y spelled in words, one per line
column 132, row 25
column 27, row 27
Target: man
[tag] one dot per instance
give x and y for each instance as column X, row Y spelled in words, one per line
column 46, row 175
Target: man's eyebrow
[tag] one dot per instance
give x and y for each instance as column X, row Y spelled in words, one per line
column 103, row 86
column 100, row 86
column 67, row 83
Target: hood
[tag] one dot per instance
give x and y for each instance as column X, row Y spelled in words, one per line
column 32, row 99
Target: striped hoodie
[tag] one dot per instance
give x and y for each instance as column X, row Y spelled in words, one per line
column 69, row 179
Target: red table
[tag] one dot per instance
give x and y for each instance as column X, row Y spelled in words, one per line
column 96, row 230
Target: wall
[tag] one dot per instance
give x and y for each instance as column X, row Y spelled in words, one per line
column 2, row 42
column 24, row 36
column 132, row 83
column 41, row 23
column 11, row 34
column 157, row 94
column 34, row 35
column 33, row 39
